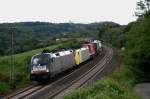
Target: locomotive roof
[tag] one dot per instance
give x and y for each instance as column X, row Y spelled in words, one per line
column 57, row 54
column 62, row 53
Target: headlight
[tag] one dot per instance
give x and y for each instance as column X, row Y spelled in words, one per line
column 47, row 70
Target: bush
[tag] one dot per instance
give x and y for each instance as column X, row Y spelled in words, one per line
column 4, row 87
column 138, row 45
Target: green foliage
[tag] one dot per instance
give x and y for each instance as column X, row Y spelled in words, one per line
column 4, row 87
column 138, row 45
column 92, row 30
column 24, row 40
column 71, row 45
column 117, row 86
column 33, row 35
column 114, row 36
column 143, row 6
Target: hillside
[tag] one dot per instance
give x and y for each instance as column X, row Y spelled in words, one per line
column 37, row 32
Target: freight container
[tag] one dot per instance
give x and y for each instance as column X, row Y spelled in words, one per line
column 91, row 48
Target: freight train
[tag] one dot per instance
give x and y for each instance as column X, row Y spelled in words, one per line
column 46, row 65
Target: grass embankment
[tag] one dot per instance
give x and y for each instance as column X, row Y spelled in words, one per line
column 119, row 85
column 21, row 69
column 21, row 66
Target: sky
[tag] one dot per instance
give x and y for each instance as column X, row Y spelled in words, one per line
column 60, row 11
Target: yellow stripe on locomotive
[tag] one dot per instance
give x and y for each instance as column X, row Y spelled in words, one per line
column 81, row 55
column 78, row 56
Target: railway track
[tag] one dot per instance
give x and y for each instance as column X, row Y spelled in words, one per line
column 20, row 94
column 68, row 83
column 82, row 80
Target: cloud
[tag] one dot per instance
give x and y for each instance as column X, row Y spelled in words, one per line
column 84, row 11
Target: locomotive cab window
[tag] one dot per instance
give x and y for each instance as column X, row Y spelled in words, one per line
column 40, row 60
column 35, row 61
column 57, row 54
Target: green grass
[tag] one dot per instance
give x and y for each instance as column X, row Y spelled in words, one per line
column 28, row 53
column 21, row 69
column 118, row 85
column 4, row 87
column 20, row 59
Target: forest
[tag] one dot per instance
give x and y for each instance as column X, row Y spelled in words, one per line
column 42, row 34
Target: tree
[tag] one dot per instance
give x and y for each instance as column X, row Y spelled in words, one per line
column 138, row 44
column 143, row 6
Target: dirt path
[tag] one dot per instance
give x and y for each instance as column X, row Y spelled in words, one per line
column 143, row 89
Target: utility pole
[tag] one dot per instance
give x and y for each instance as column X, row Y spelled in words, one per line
column 12, row 58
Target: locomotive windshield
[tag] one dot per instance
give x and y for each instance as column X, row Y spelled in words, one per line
column 41, row 60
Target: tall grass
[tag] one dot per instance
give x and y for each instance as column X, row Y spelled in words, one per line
column 117, row 86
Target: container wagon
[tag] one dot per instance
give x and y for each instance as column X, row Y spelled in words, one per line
column 91, row 48
column 98, row 46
